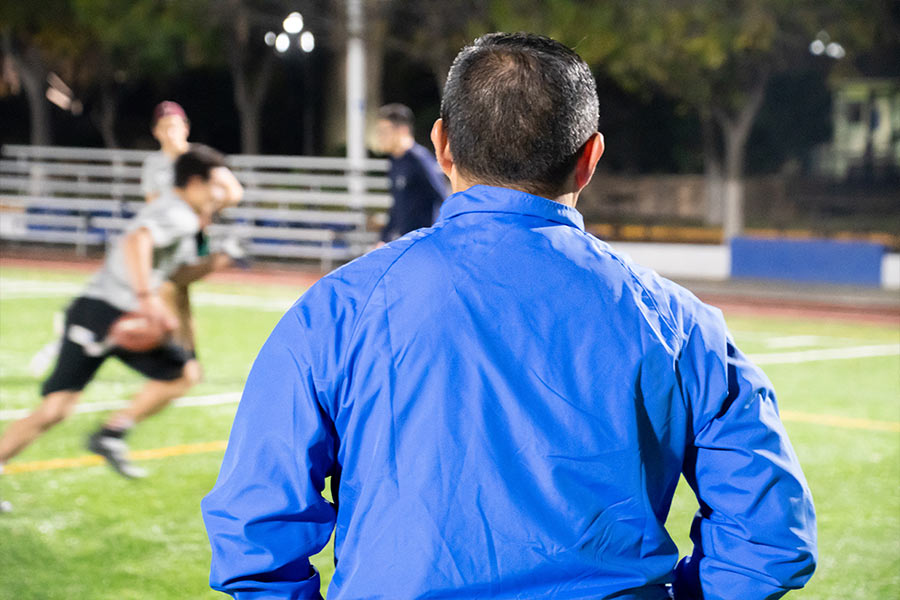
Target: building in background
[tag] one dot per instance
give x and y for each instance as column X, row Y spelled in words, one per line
column 866, row 140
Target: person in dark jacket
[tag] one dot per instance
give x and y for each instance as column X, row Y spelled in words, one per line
column 417, row 183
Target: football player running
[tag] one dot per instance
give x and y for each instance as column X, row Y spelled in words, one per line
column 148, row 253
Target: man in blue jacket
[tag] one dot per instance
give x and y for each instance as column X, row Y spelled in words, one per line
column 503, row 403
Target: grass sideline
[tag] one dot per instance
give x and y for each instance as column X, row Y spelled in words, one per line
column 84, row 532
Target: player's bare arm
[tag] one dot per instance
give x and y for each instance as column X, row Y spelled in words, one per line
column 188, row 274
column 138, row 252
column 227, row 190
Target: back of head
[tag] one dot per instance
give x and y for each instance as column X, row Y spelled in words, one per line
column 399, row 115
column 518, row 108
column 198, row 161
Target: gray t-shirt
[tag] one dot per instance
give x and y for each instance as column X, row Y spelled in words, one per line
column 157, row 174
column 172, row 225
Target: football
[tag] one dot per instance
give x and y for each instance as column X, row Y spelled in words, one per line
column 136, row 333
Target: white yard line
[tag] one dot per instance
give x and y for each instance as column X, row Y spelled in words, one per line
column 787, row 342
column 35, row 288
column 775, row 339
column 18, row 289
column 91, row 407
column 802, row 356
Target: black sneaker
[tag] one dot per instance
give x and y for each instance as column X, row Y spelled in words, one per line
column 115, row 451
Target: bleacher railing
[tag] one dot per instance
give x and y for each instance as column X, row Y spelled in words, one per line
column 316, row 208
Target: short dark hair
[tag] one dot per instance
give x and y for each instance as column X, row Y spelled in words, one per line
column 199, row 160
column 397, row 114
column 518, row 109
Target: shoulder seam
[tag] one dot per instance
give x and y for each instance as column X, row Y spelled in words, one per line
column 666, row 316
column 378, row 281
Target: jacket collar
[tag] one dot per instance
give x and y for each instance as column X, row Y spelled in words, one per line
column 488, row 199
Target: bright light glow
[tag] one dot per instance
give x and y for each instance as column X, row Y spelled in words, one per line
column 835, row 51
column 293, row 23
column 817, row 47
column 282, row 42
column 270, row 39
column 307, row 41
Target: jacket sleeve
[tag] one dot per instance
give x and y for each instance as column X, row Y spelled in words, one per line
column 266, row 516
column 754, row 534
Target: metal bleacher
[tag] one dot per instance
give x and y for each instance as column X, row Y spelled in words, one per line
column 311, row 208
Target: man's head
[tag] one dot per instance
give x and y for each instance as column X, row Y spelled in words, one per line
column 170, row 127
column 394, row 129
column 199, row 175
column 520, row 111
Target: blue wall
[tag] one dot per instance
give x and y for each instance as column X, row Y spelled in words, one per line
column 812, row 261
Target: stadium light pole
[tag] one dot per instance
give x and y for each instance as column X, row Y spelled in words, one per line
column 356, row 98
column 293, row 35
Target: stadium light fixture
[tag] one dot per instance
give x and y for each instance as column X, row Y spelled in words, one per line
column 293, row 26
column 823, row 44
column 282, row 42
column 835, row 51
column 307, row 41
column 293, row 23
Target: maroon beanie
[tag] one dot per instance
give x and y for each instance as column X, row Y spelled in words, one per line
column 166, row 109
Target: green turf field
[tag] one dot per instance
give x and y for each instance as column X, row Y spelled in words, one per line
column 84, row 532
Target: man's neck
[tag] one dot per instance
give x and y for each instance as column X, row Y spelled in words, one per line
column 570, row 199
column 458, row 183
column 403, row 146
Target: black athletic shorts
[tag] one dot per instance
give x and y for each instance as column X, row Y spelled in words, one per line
column 83, row 350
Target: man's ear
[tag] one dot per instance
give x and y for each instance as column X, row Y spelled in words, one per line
column 441, row 147
column 587, row 162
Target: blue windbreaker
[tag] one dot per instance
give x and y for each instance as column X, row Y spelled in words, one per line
column 504, row 405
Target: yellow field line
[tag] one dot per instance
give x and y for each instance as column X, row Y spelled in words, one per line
column 842, row 422
column 92, row 459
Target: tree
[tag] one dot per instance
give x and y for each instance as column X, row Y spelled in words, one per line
column 414, row 27
column 31, row 71
column 125, row 41
column 231, row 32
column 715, row 57
column 37, row 38
column 250, row 64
